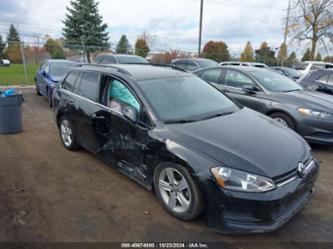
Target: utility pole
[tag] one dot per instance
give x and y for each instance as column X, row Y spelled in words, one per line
column 200, row 28
column 286, row 28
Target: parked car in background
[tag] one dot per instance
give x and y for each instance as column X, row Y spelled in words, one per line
column 108, row 58
column 320, row 80
column 307, row 66
column 192, row 64
column 308, row 113
column 199, row 151
column 289, row 72
column 48, row 76
column 247, row 64
column 4, row 63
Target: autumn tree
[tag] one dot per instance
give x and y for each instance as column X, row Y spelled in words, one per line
column 312, row 20
column 307, row 55
column 216, row 50
column 292, row 60
column 318, row 57
column 247, row 55
column 141, row 47
column 265, row 55
column 54, row 48
column 13, row 51
column 123, row 46
column 84, row 27
column 282, row 54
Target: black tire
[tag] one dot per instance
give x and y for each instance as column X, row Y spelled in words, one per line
column 73, row 145
column 37, row 90
column 196, row 201
column 49, row 97
column 279, row 115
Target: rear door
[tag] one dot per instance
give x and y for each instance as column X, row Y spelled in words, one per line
column 88, row 95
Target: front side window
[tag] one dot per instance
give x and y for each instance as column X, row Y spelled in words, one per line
column 211, row 75
column 323, row 78
column 70, row 81
column 237, row 79
column 60, row 68
column 120, row 96
column 180, row 64
column 185, row 98
column 330, row 79
column 274, row 82
column 89, row 87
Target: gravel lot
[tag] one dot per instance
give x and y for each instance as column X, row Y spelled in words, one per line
column 49, row 194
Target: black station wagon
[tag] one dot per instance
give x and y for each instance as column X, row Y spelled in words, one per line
column 199, row 151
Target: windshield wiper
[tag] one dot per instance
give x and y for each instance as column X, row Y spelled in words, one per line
column 293, row 90
column 180, row 121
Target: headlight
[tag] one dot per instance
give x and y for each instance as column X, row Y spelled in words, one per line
column 315, row 114
column 241, row 181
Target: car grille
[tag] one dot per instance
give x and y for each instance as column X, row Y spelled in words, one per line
column 290, row 175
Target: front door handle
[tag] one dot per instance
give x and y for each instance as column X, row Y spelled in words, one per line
column 99, row 117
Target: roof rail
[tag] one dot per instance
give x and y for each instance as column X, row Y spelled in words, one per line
column 168, row 65
column 157, row 65
column 121, row 70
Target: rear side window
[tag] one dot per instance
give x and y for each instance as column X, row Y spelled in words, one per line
column 89, row 87
column 191, row 66
column 70, row 81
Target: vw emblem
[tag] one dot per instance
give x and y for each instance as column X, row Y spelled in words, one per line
column 301, row 169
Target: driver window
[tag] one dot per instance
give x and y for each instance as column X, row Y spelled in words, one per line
column 120, row 97
column 237, row 79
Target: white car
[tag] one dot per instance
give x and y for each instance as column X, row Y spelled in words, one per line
column 247, row 64
column 307, row 66
column 4, row 62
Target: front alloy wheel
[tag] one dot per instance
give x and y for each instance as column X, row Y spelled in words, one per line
column 174, row 190
column 177, row 191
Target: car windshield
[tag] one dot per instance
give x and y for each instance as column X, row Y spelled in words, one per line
column 185, row 99
column 131, row 60
column 293, row 73
column 207, row 63
column 274, row 82
column 60, row 68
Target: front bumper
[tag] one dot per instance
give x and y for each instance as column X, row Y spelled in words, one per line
column 239, row 212
column 317, row 131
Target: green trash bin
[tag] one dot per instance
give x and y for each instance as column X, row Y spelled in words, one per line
column 11, row 113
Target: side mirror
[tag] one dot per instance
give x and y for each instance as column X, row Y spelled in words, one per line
column 131, row 113
column 43, row 73
column 250, row 89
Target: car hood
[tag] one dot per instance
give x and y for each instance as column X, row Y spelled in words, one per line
column 309, row 99
column 245, row 140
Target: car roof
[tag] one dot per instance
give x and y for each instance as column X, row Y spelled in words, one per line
column 136, row 71
column 60, row 60
column 240, row 68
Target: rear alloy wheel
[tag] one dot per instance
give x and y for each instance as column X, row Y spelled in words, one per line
column 68, row 134
column 177, row 191
column 283, row 119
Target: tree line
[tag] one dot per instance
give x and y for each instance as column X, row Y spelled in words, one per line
column 84, row 30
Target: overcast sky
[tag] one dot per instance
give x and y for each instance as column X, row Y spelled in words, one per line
column 174, row 23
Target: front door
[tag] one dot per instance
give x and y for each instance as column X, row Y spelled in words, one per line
column 234, row 81
column 124, row 143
